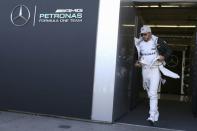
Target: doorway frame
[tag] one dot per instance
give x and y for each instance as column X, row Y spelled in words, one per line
column 105, row 60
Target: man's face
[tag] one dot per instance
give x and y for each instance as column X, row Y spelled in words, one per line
column 146, row 36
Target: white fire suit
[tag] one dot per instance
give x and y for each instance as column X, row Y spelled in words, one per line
column 148, row 56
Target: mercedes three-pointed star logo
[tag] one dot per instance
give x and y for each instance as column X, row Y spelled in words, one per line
column 20, row 15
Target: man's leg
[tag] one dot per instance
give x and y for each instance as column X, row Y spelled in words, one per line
column 153, row 96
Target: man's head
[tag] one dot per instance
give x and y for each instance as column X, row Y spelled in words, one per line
column 146, row 33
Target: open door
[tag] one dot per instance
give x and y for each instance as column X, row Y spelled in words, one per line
column 164, row 21
column 124, row 61
column 194, row 78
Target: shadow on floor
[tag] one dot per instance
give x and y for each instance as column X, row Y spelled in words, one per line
column 173, row 115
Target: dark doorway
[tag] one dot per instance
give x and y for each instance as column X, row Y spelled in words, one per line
column 177, row 103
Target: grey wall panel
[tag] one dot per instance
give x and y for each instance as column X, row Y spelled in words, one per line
column 48, row 68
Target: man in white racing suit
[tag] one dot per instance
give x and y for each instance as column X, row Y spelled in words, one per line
column 152, row 63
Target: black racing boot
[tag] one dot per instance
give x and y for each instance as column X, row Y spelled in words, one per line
column 151, row 122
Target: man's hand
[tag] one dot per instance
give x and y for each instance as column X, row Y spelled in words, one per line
column 138, row 64
column 161, row 58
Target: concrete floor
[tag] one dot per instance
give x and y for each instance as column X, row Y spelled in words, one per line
column 10, row 121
